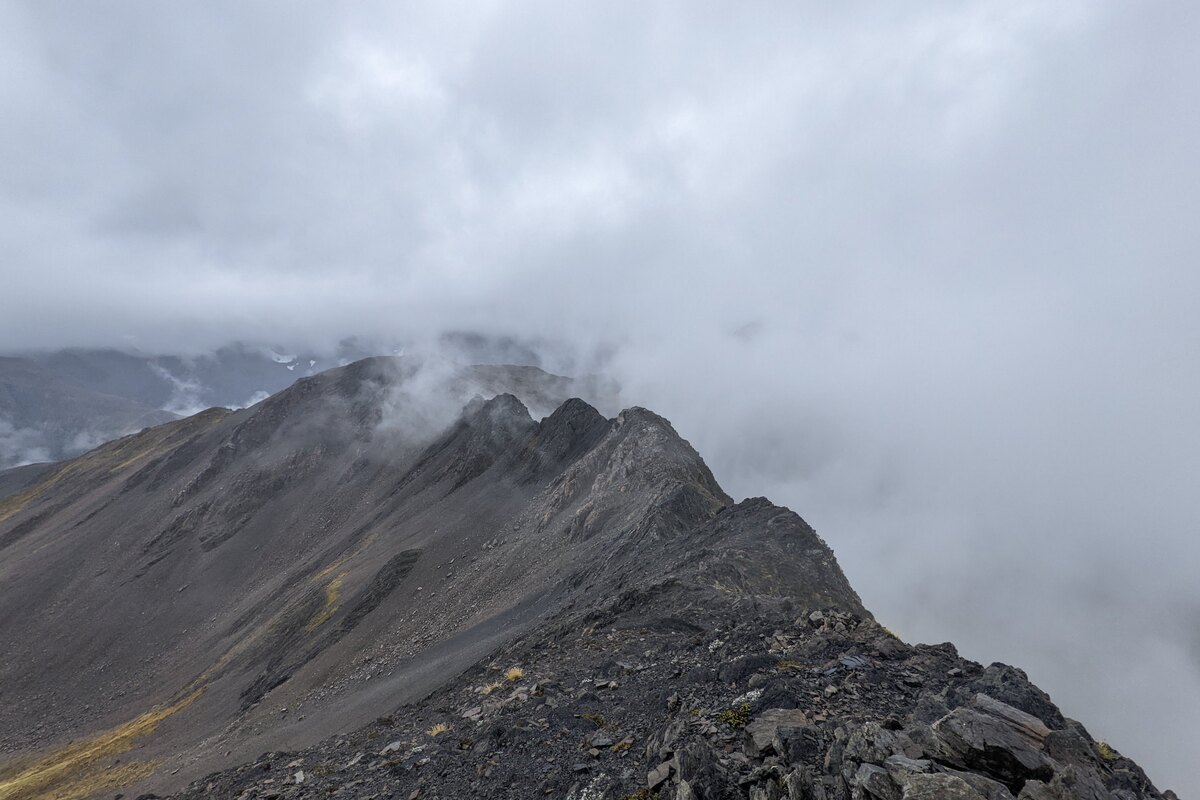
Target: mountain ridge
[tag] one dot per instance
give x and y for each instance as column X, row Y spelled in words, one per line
column 263, row 578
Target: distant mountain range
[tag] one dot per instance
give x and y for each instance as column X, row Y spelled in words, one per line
column 406, row 579
column 58, row 404
column 45, row 416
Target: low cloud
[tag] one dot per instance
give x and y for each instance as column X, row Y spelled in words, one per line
column 21, row 446
column 925, row 273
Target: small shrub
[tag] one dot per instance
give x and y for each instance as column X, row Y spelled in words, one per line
column 597, row 719
column 514, row 674
column 439, row 729
column 1106, row 751
column 640, row 794
column 736, row 717
column 488, row 688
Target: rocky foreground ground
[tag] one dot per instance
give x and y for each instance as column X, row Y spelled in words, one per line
column 701, row 705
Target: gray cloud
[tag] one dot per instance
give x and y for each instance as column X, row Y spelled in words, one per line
column 925, row 273
column 20, row 446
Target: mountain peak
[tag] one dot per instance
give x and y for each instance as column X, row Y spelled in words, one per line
column 504, row 407
column 383, row 538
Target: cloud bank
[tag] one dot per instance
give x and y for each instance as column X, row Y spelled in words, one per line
column 925, row 273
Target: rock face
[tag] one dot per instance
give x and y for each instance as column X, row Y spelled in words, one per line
column 394, row 601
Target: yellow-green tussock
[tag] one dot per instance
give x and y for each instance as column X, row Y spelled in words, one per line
column 75, row 771
column 736, row 717
column 333, row 591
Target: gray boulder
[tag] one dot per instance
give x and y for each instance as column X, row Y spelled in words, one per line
column 936, row 786
column 764, row 729
column 996, row 739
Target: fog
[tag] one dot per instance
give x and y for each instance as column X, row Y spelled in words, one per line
column 926, row 273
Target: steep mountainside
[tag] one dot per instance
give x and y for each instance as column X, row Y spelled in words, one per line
column 365, row 555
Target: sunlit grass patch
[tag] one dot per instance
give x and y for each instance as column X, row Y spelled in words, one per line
column 74, row 771
column 333, row 591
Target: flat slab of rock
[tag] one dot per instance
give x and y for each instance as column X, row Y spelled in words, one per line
column 996, row 739
column 657, row 776
column 936, row 786
column 1027, row 725
column 762, row 729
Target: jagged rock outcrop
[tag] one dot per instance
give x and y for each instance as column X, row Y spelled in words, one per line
column 567, row 606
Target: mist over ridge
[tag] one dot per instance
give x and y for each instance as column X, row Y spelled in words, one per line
column 924, row 275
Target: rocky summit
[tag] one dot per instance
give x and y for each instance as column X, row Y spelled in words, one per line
column 397, row 580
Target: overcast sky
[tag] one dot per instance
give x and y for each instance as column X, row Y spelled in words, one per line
column 926, row 272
